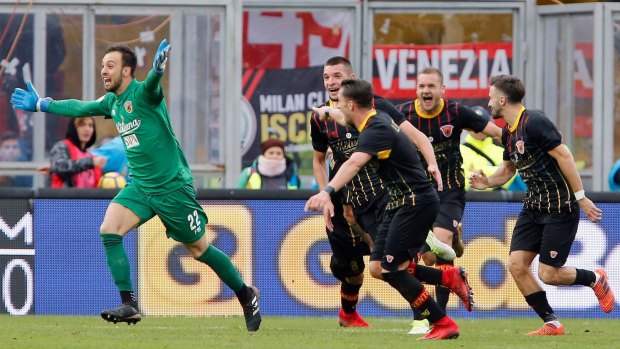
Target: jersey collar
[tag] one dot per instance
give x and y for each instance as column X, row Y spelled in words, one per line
column 130, row 87
column 372, row 113
column 514, row 127
column 420, row 112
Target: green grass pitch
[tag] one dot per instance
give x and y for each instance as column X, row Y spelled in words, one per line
column 290, row 332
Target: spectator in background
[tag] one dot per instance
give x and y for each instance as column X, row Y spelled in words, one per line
column 480, row 153
column 10, row 150
column 71, row 165
column 112, row 149
column 271, row 170
column 16, row 59
column 614, row 177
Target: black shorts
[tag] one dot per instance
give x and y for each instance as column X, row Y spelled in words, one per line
column 401, row 234
column 551, row 235
column 347, row 247
column 369, row 217
column 451, row 208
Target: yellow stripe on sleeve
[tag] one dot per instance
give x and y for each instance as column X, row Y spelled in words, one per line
column 384, row 154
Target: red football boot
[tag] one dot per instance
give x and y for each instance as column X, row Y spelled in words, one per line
column 445, row 328
column 351, row 320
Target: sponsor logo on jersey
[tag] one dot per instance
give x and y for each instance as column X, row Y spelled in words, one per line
column 446, row 130
column 123, row 128
column 131, row 141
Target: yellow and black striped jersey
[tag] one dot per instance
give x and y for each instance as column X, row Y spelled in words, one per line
column 526, row 145
column 399, row 164
column 443, row 130
column 343, row 142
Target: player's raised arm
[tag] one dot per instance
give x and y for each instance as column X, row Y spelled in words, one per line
column 161, row 57
column 29, row 100
column 151, row 83
column 493, row 130
column 328, row 113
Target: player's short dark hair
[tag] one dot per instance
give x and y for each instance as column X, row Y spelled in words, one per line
column 359, row 91
column 339, row 60
column 129, row 58
column 509, row 85
column 432, row 70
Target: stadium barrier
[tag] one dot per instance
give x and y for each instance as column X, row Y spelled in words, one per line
column 52, row 260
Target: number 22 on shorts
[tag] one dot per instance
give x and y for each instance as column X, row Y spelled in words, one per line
column 194, row 222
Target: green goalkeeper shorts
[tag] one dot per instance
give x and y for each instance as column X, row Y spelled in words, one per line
column 179, row 211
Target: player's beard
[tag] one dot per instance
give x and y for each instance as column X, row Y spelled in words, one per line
column 114, row 84
column 495, row 114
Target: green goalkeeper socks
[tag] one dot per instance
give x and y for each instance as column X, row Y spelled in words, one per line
column 117, row 261
column 223, row 267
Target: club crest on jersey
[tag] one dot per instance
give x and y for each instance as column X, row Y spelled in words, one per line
column 128, row 106
column 389, row 258
column 520, row 147
column 348, row 135
column 446, row 130
column 553, row 254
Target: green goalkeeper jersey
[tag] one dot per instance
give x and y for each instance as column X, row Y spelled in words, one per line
column 157, row 163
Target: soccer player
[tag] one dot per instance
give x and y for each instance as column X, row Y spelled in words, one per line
column 442, row 121
column 411, row 208
column 547, row 224
column 364, row 198
column 162, row 188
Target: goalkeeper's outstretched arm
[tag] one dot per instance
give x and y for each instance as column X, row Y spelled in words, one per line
column 29, row 100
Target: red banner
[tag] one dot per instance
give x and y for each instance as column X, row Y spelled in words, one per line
column 284, row 40
column 583, row 75
column 466, row 68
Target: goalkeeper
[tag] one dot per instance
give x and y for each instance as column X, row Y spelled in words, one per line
column 162, row 188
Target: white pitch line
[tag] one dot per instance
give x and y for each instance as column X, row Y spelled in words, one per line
column 16, row 252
